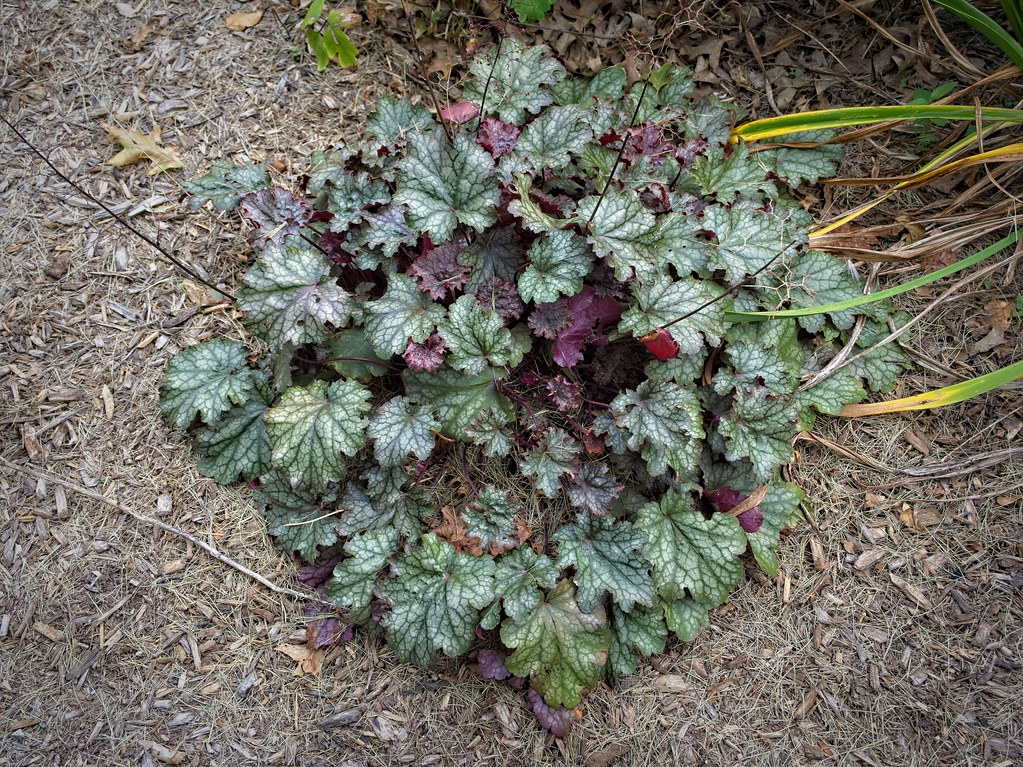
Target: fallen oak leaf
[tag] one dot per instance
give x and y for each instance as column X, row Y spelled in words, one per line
column 236, row 22
column 139, row 147
column 309, row 661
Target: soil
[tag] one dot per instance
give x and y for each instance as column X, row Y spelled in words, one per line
column 891, row 636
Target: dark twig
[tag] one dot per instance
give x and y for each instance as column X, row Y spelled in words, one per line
column 486, row 85
column 425, row 73
column 119, row 219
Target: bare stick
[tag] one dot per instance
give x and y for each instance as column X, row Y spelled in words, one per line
column 162, row 525
column 119, row 219
column 425, row 73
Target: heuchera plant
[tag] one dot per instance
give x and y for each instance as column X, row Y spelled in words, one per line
column 502, row 396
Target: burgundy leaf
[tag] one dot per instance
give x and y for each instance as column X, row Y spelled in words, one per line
column 604, row 282
column 547, row 320
column 727, row 498
column 648, row 140
column 333, row 244
column 496, row 136
column 428, row 356
column 502, row 297
column 751, row 520
column 439, row 271
column 687, row 152
column 460, row 113
column 557, row 720
column 491, row 664
column 591, row 314
column 566, row 394
column 276, row 213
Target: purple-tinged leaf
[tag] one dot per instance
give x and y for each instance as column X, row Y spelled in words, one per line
column 567, row 395
column 439, row 270
column 426, row 356
column 328, row 632
column 547, row 320
column 276, row 213
column 502, row 297
column 556, row 720
column 647, row 140
column 491, row 665
column 496, row 136
column 726, row 498
column 591, row 315
column 594, row 489
column 333, row 244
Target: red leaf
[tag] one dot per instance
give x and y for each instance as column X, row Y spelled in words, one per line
column 460, row 113
column 661, row 344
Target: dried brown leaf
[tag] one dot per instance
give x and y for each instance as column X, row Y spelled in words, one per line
column 139, row 147
column 236, row 22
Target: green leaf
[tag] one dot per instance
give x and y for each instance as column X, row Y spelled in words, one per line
column 555, row 456
column 475, row 338
column 237, row 445
column 290, row 296
column 298, row 520
column 436, row 594
column 313, row 426
column 206, row 379
column 882, row 366
column 358, row 513
column 387, row 230
column 494, row 255
column 339, row 46
column 558, row 261
column 532, row 214
column 393, row 120
column 403, row 312
column 594, row 489
column 690, row 552
column 313, row 14
column 446, row 184
column 747, row 237
column 608, row 83
column 607, row 557
column 456, row 398
column 767, row 353
column 520, row 575
column 226, row 184
column 798, row 166
column 355, row 577
column 816, row 279
column 664, row 416
column 553, row 137
column 561, row 647
column 515, row 83
column 531, row 10
column 633, row 635
column 348, row 195
column 685, row 618
column 760, row 426
column 727, row 179
column 351, row 355
column 398, row 429
column 829, row 396
column 487, row 430
column 662, row 302
column 491, row 518
column 622, row 231
column 328, row 165
column 315, row 42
